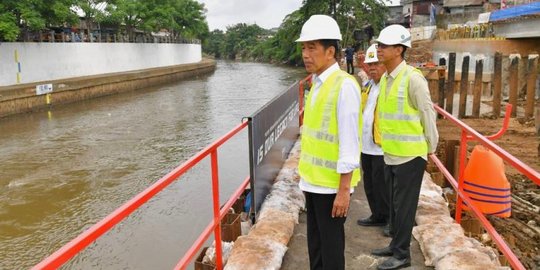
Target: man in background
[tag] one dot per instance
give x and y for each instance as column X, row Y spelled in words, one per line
column 349, row 56
column 372, row 158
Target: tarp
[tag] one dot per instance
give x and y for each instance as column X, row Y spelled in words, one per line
column 517, row 11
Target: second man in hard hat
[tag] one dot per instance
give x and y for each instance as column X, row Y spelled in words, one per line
column 330, row 146
column 372, row 158
column 407, row 123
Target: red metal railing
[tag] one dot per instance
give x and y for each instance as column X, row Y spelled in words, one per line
column 467, row 133
column 76, row 245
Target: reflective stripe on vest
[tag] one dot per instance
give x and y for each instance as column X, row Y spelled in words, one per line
column 399, row 123
column 320, row 140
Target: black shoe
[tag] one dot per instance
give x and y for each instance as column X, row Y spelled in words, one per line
column 386, row 231
column 393, row 263
column 370, row 222
column 387, row 251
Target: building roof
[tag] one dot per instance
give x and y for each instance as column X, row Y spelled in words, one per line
column 527, row 10
column 462, row 3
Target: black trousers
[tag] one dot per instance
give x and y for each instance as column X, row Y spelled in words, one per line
column 404, row 184
column 375, row 186
column 325, row 235
column 350, row 66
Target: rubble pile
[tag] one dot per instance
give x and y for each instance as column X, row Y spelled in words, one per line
column 443, row 241
column 421, row 52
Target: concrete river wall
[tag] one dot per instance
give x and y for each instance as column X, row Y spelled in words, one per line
column 52, row 82
column 35, row 62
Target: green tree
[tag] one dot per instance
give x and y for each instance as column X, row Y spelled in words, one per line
column 353, row 14
column 126, row 13
column 23, row 16
column 9, row 30
column 350, row 15
column 94, row 12
column 214, row 43
column 241, row 39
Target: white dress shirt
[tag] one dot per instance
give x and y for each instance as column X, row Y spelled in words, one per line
column 368, row 145
column 348, row 109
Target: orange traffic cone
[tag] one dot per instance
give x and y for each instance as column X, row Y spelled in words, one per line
column 486, row 184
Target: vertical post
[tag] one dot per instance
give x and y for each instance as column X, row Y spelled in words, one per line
column 531, row 85
column 442, row 74
column 497, row 84
column 464, row 87
column 477, row 88
column 513, row 82
column 451, row 81
column 462, row 164
column 215, row 201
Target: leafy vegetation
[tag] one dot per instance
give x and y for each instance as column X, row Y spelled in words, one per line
column 185, row 18
column 254, row 43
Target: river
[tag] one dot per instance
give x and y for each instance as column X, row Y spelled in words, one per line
column 64, row 170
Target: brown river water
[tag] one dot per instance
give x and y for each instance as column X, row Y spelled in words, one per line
column 63, row 171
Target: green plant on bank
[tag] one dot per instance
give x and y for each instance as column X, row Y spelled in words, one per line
column 181, row 18
column 262, row 45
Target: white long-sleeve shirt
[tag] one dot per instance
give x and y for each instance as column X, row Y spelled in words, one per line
column 368, row 145
column 348, row 109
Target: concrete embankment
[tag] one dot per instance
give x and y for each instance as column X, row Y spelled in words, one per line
column 24, row 98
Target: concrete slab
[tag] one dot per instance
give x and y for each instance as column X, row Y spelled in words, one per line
column 360, row 241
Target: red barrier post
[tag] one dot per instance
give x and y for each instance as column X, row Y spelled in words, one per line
column 215, row 200
column 461, row 175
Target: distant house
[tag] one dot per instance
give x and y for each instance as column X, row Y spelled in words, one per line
column 462, row 11
column 417, row 12
column 396, row 16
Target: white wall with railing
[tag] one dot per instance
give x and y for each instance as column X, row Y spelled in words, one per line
column 42, row 62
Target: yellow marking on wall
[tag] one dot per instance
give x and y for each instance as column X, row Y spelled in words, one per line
column 48, row 99
column 18, row 77
column 16, row 54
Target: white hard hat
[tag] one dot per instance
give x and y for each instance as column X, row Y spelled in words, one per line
column 395, row 34
column 319, row 27
column 371, row 54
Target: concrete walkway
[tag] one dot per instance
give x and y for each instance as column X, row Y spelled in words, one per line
column 360, row 241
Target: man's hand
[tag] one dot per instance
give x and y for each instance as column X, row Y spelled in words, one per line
column 341, row 203
column 343, row 196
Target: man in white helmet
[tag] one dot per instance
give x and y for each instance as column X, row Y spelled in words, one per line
column 408, row 130
column 330, row 147
column 372, row 160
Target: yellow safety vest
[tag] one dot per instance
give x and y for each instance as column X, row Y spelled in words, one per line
column 320, row 141
column 399, row 123
column 376, row 132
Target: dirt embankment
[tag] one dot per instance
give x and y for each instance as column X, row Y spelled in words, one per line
column 522, row 230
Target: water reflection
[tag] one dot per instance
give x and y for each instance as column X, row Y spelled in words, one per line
column 63, row 172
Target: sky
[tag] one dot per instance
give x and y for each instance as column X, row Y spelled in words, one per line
column 265, row 13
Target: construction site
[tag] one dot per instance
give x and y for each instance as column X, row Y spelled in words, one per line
column 478, row 70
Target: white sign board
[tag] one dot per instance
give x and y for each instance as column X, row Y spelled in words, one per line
column 44, row 89
column 484, row 17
